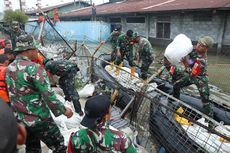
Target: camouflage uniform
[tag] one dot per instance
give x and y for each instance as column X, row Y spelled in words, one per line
column 31, row 97
column 14, row 35
column 126, row 48
column 201, row 81
column 67, row 71
column 145, row 52
column 101, row 139
column 175, row 72
column 113, row 40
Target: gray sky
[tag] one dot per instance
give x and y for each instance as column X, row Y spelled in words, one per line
column 32, row 3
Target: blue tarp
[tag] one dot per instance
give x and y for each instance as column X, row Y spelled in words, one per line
column 89, row 31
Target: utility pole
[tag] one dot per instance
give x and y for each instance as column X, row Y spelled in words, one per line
column 20, row 3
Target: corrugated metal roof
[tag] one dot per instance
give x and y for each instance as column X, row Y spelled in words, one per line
column 49, row 8
column 132, row 6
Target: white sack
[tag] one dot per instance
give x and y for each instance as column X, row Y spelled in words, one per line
column 87, row 91
column 178, row 48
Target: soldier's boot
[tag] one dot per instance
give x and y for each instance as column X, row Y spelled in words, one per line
column 111, row 66
column 118, row 69
column 132, row 72
column 208, row 111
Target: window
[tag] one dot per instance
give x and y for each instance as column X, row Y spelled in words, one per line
column 115, row 20
column 135, row 20
column 163, row 27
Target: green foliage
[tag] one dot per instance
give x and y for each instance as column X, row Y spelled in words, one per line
column 16, row 15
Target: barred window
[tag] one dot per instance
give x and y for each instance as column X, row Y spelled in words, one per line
column 135, row 19
column 115, row 20
column 163, row 27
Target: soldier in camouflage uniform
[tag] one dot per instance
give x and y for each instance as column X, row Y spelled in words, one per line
column 98, row 136
column 113, row 40
column 197, row 70
column 15, row 32
column 32, row 99
column 144, row 54
column 67, row 71
column 174, row 72
column 125, row 48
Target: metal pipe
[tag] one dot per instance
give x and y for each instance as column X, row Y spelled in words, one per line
column 51, row 24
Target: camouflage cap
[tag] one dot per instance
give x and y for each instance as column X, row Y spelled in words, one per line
column 15, row 24
column 24, row 42
column 206, row 40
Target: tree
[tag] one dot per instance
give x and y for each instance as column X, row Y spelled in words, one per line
column 16, row 15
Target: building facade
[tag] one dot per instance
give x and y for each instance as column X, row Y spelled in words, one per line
column 161, row 21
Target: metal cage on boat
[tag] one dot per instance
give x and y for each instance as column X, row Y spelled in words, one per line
column 160, row 119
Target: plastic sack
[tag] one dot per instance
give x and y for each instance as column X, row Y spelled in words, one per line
column 87, row 91
column 178, row 48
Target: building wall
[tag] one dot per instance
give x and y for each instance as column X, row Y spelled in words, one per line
column 152, row 26
column 184, row 23
column 226, row 40
column 77, row 30
column 195, row 29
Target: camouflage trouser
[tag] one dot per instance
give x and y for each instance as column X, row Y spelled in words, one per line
column 202, row 85
column 146, row 62
column 67, row 83
column 46, row 132
column 113, row 54
column 129, row 56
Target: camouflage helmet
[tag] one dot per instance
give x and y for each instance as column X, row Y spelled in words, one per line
column 24, row 42
column 206, row 40
column 15, row 24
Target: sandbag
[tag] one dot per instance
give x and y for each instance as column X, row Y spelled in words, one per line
column 87, row 91
column 178, row 48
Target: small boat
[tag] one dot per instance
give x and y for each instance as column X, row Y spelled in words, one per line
column 175, row 136
column 221, row 111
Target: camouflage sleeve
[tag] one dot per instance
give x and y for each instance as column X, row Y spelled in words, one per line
column 130, row 148
column 203, row 67
column 81, row 142
column 119, row 39
column 110, row 37
column 41, row 82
